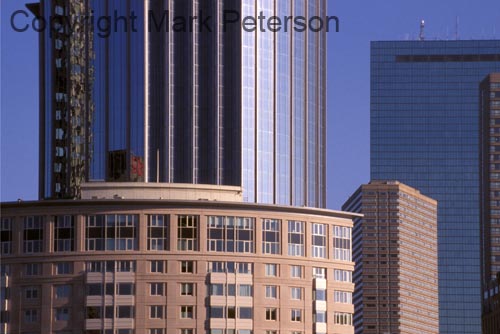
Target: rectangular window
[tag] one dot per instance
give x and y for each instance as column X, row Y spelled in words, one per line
column 296, row 271
column 319, row 240
column 61, row 314
column 94, row 289
column 342, row 318
column 156, row 312
column 271, row 236
column 187, row 331
column 64, row 234
column 125, row 289
column 156, row 289
column 187, row 289
column 216, row 312
column 216, row 290
column 343, row 297
column 157, row 331
column 320, row 295
column 342, row 243
column 187, row 312
column 125, row 266
column 124, row 312
column 245, row 313
column 187, row 233
column 158, row 232
column 187, row 267
column 271, row 314
column 271, row 269
column 295, row 238
column 111, row 232
column 319, row 272
column 157, row 266
column 31, row 292
column 33, row 269
column 62, row 291
column 230, row 234
column 320, row 316
column 30, row 315
column 93, row 312
column 94, row 267
column 343, row 275
column 64, row 268
column 245, row 290
column 296, row 293
column 296, row 315
column 6, row 236
column 271, row 291
column 33, row 234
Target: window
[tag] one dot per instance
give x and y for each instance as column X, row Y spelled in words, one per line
column 33, row 269
column 111, row 232
column 187, row 233
column 187, row 331
column 245, row 290
column 343, row 297
column 319, row 240
column 31, row 292
column 216, row 290
column 157, row 266
column 187, row 312
column 295, row 238
column 271, row 233
column 342, row 243
column 156, row 331
column 124, row 312
column 94, row 289
column 31, row 315
column 230, row 234
column 64, row 234
column 342, row 318
column 320, row 295
column 187, row 267
column 33, row 234
column 271, row 314
column 271, row 332
column 296, row 293
column 296, row 315
column 125, row 266
column 158, row 232
column 271, row 291
column 93, row 312
column 231, row 312
column 320, row 316
column 217, row 312
column 187, row 289
column 64, row 268
column 156, row 312
column 245, row 312
column 61, row 314
column 156, row 289
column 343, row 275
column 6, row 236
column 271, row 269
column 94, row 267
column 319, row 272
column 62, row 291
column 296, row 271
column 125, row 289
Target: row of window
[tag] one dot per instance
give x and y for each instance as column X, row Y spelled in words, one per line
column 187, row 267
column 224, row 234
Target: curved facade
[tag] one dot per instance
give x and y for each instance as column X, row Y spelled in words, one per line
column 163, row 266
column 205, row 106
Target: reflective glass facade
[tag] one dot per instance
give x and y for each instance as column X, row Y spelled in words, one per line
column 210, row 107
column 425, row 133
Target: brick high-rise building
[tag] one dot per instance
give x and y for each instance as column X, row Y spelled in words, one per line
column 395, row 251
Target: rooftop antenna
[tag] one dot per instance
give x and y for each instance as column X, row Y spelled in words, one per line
column 457, row 25
column 422, row 28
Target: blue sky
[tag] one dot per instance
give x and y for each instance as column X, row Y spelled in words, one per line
column 348, row 83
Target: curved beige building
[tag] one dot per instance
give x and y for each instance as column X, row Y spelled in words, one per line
column 112, row 265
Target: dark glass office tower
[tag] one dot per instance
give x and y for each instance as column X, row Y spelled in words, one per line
column 205, row 106
column 425, row 133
